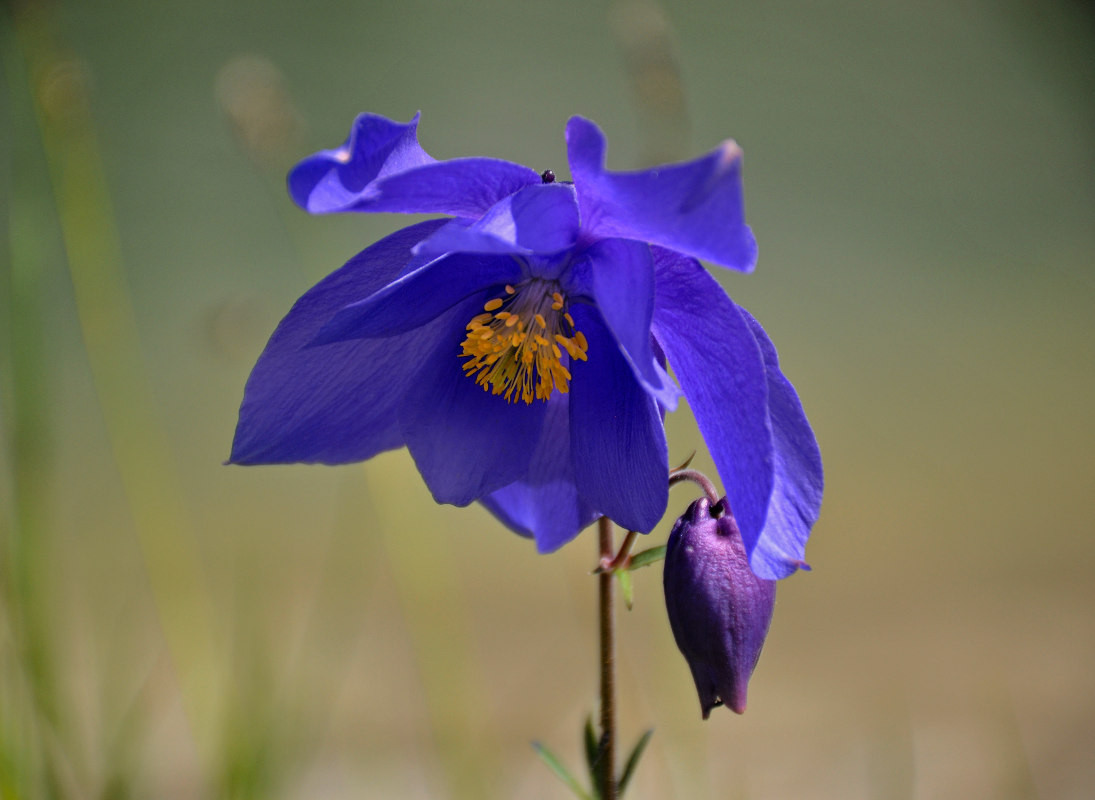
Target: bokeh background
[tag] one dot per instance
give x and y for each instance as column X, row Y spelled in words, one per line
column 920, row 179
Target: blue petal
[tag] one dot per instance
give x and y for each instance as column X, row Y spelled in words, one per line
column 339, row 403
column 799, row 478
column 714, row 355
column 377, row 147
column 418, row 297
column 695, row 207
column 462, row 187
column 537, row 219
column 545, row 504
column 381, row 167
column 465, row 441
column 622, row 273
column 621, row 462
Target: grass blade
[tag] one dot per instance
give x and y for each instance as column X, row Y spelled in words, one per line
column 556, row 766
column 592, row 748
column 633, row 760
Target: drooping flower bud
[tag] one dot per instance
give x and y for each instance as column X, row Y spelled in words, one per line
column 719, row 609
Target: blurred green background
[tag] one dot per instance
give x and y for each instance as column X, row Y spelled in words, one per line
column 920, row 179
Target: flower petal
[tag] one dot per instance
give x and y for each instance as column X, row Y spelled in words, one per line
column 462, row 187
column 799, row 478
column 622, row 274
column 377, row 147
column 621, row 461
column 465, row 441
column 335, row 404
column 545, row 505
column 381, row 167
column 537, row 219
column 714, row 355
column 419, row 297
column 695, row 207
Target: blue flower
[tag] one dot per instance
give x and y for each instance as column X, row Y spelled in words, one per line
column 519, row 347
column 718, row 608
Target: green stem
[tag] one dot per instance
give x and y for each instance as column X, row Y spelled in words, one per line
column 141, row 449
column 607, row 754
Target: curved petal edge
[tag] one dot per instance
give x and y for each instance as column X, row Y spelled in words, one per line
column 696, row 207
column 799, row 475
column 381, row 167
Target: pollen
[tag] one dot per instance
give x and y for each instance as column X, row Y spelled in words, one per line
column 517, row 347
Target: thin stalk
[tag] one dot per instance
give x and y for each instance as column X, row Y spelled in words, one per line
column 32, row 717
column 141, row 449
column 607, row 754
column 702, row 480
column 624, row 553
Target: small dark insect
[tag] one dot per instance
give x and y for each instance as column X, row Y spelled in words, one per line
column 547, row 176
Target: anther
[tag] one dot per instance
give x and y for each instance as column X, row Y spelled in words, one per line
column 547, row 176
column 514, row 348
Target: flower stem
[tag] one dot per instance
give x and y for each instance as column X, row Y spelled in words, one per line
column 699, row 478
column 624, row 553
column 607, row 754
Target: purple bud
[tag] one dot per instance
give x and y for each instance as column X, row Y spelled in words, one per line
column 718, row 609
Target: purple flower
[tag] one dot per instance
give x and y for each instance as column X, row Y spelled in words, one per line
column 519, row 347
column 718, row 608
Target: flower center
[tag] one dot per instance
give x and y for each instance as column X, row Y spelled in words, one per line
column 516, row 347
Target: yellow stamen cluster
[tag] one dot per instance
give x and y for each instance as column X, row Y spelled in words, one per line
column 515, row 348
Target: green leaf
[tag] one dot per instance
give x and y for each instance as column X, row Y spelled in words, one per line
column 556, row 766
column 646, row 557
column 628, row 591
column 593, row 748
column 633, row 761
